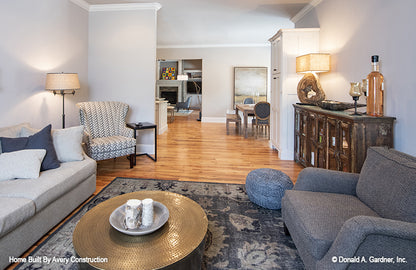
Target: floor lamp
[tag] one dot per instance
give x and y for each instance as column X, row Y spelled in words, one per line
column 62, row 84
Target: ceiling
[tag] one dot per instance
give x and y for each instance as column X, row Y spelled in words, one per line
column 193, row 23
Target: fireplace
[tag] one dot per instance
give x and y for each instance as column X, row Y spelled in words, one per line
column 170, row 93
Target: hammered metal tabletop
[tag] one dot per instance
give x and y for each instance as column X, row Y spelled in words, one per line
column 180, row 236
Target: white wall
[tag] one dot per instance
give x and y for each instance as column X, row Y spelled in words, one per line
column 122, row 60
column 36, row 41
column 354, row 30
column 218, row 73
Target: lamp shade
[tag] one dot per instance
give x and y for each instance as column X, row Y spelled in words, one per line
column 62, row 81
column 313, row 62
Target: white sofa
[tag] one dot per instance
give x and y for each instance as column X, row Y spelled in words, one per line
column 31, row 207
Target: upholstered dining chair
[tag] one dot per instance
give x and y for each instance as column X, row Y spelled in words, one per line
column 262, row 117
column 105, row 126
column 249, row 100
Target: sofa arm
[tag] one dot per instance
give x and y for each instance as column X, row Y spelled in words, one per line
column 366, row 238
column 322, row 180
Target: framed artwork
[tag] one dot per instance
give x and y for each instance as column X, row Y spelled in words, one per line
column 250, row 82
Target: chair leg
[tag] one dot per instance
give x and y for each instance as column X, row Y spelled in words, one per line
column 132, row 160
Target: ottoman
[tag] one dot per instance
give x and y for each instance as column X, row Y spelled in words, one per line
column 266, row 187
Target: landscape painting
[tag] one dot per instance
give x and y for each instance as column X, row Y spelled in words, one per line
column 250, row 82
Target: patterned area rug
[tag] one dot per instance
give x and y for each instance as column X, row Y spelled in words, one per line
column 241, row 234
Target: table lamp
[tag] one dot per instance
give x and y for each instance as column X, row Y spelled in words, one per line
column 62, row 84
column 309, row 88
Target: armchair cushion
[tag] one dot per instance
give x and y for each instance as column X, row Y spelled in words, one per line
column 387, row 184
column 317, row 217
column 109, row 147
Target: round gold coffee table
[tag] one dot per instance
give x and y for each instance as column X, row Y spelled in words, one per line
column 177, row 244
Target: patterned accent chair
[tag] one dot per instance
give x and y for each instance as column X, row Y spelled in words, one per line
column 105, row 127
column 262, row 117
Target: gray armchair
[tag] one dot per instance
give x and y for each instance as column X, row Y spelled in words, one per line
column 105, row 128
column 184, row 105
column 334, row 216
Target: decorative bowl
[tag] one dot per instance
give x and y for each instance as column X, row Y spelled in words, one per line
column 160, row 217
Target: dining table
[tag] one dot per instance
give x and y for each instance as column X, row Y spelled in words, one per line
column 246, row 109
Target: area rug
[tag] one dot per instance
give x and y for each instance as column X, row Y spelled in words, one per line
column 241, row 235
column 183, row 112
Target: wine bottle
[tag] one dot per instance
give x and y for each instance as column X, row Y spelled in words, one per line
column 375, row 94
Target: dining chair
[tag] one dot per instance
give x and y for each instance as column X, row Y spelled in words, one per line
column 262, row 117
column 248, row 100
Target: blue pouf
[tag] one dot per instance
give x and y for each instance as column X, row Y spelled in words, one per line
column 266, row 187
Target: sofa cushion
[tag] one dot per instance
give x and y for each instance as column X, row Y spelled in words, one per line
column 13, row 212
column 51, row 184
column 21, row 164
column 387, row 184
column 11, row 132
column 67, row 142
column 40, row 140
column 317, row 217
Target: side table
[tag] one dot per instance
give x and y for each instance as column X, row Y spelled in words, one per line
column 140, row 126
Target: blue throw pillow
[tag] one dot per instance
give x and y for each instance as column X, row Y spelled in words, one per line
column 40, row 140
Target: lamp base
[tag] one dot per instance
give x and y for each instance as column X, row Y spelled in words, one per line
column 310, row 90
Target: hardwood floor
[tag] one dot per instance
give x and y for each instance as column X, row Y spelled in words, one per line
column 194, row 151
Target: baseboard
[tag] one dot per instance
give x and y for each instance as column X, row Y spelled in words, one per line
column 286, row 155
column 213, row 119
column 283, row 155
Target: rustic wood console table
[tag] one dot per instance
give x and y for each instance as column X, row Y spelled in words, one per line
column 337, row 140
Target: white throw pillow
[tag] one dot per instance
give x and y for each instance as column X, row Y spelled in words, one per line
column 67, row 142
column 21, row 164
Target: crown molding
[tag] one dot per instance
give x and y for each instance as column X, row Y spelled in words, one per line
column 82, row 4
column 305, row 10
column 116, row 7
column 190, row 46
column 122, row 7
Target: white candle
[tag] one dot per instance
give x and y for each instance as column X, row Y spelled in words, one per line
column 147, row 217
column 133, row 213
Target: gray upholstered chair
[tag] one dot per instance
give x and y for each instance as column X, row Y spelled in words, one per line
column 262, row 117
column 334, row 215
column 184, row 105
column 248, row 100
column 105, row 127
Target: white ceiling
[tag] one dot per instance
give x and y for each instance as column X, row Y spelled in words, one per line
column 219, row 22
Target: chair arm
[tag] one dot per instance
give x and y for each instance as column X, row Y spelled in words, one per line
column 322, row 180
column 365, row 237
column 127, row 132
column 86, row 140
